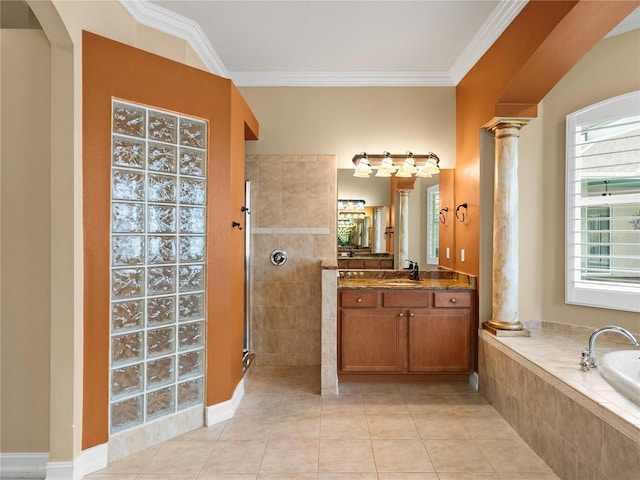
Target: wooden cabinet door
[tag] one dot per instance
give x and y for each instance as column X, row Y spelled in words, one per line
column 439, row 340
column 372, row 340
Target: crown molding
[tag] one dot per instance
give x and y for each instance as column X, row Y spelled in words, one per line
column 341, row 79
column 179, row 26
column 499, row 20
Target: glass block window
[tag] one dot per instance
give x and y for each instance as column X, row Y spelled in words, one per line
column 158, row 245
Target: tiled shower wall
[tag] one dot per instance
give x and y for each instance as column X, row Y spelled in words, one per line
column 293, row 208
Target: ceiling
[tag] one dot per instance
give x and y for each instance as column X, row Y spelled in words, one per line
column 334, row 42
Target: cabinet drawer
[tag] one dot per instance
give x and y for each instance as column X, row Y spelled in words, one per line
column 356, row 263
column 386, row 263
column 406, row 298
column 450, row 299
column 359, row 298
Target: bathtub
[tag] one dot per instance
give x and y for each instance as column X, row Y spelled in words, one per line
column 621, row 370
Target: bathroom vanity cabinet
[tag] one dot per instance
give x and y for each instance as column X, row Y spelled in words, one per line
column 406, row 334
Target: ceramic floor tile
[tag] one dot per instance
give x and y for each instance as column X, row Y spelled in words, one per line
column 401, row 456
column 520, row 458
column 457, row 455
column 235, row 456
column 166, row 476
column 437, row 425
column 227, row 476
column 346, row 456
column 178, row 457
column 344, row 427
column 487, row 427
column 392, row 427
column 301, row 405
column 291, row 456
column 384, row 404
column 407, row 476
column 468, row 476
column 296, row 428
column 284, row 430
column 112, row 476
column 247, row 428
column 343, row 404
column 347, row 476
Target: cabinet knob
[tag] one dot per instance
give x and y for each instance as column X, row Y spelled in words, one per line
column 411, row 314
column 453, row 300
column 401, row 314
column 359, row 300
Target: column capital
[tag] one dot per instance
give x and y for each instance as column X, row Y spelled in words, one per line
column 505, row 122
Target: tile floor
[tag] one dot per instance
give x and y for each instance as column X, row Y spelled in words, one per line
column 284, row 430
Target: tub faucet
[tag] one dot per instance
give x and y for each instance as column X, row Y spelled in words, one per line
column 589, row 354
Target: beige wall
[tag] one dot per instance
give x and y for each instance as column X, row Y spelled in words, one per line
column 345, row 121
column 25, row 248
column 610, row 69
column 52, row 421
column 294, row 212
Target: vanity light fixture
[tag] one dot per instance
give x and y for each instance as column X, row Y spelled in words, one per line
column 386, row 167
column 363, row 168
column 460, row 215
column 388, row 164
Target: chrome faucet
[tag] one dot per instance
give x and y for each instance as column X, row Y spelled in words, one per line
column 415, row 270
column 589, row 354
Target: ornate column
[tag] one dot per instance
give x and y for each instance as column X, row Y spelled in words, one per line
column 504, row 317
column 402, row 228
column 376, row 230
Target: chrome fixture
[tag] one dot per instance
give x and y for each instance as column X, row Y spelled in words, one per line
column 415, row 269
column 460, row 215
column 279, row 257
column 589, row 354
column 443, row 215
column 406, row 165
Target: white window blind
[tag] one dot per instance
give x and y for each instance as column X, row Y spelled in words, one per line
column 603, row 204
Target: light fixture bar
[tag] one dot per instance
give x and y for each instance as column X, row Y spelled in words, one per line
column 421, row 165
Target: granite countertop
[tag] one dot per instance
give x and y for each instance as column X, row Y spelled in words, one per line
column 399, row 279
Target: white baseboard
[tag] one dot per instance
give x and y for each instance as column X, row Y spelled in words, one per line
column 225, row 410
column 90, row 460
column 23, row 465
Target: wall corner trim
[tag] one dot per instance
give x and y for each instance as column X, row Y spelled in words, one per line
column 224, row 410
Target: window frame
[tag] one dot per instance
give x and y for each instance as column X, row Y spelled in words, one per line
column 589, row 292
column 433, row 220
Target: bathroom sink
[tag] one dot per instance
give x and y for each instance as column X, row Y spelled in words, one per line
column 621, row 370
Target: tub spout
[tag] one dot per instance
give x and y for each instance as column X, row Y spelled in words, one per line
column 589, row 354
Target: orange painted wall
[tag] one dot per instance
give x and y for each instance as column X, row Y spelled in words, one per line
column 447, row 177
column 539, row 47
column 112, row 69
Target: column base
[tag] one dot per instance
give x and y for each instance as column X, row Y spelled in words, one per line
column 506, row 329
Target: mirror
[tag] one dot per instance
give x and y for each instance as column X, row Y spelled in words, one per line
column 376, row 191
